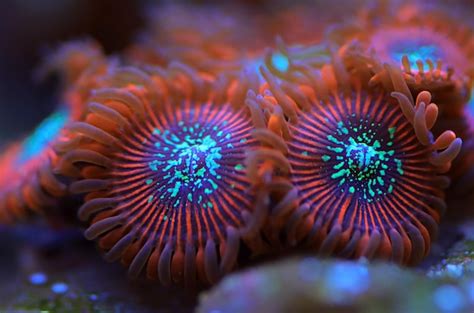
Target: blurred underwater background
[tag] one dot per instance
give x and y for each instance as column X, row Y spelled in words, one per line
column 50, row 267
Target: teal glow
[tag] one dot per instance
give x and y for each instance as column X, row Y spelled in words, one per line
column 239, row 167
column 470, row 104
column 187, row 161
column 43, row 135
column 280, row 62
column 361, row 162
column 415, row 50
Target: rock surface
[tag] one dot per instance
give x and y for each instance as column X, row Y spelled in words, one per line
column 314, row 285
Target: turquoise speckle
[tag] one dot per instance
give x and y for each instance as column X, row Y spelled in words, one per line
column 239, row 167
column 391, row 131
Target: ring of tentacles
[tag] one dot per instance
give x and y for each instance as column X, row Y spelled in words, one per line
column 430, row 60
column 366, row 171
column 436, row 55
column 164, row 177
column 433, row 50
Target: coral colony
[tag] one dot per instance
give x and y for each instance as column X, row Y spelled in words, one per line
column 199, row 150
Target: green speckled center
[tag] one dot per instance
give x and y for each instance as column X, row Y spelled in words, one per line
column 360, row 160
column 188, row 159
